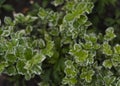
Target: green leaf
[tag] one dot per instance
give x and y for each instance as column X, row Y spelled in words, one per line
column 106, row 48
column 118, row 83
column 90, row 6
column 7, row 20
column 49, row 49
column 20, row 34
column 37, row 69
column 109, row 80
column 96, row 46
column 29, row 29
column 2, row 66
column 58, row 2
column 69, row 81
column 69, row 17
column 90, row 59
column 66, row 40
column 68, row 63
column 87, row 23
column 5, row 33
column 24, row 19
column 88, row 45
column 69, row 6
column 19, row 52
column 82, row 19
column 69, row 72
column 75, row 48
column 87, row 74
column 115, row 60
column 117, row 49
column 54, row 32
column 11, row 70
column 28, row 76
column 54, row 58
column 42, row 14
column 7, row 7
column 109, row 34
column 107, row 64
column 53, row 19
column 10, row 57
column 30, row 19
column 19, row 18
column 28, row 53
column 36, row 59
column 20, row 67
column 80, row 8
column 80, row 56
column 41, row 43
column 90, row 37
column 49, row 46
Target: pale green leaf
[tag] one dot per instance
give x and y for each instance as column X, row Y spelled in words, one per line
column 107, row 64
column 80, row 56
column 106, row 48
column 87, row 74
column 109, row 34
column 7, row 20
column 42, row 13
column 58, row 2
column 117, row 49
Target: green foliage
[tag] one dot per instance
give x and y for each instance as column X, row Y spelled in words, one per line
column 87, row 74
column 59, row 47
column 107, row 64
column 107, row 49
column 6, row 7
column 109, row 34
column 58, row 2
column 117, row 49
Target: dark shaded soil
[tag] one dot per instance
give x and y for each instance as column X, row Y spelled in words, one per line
column 18, row 81
column 22, row 6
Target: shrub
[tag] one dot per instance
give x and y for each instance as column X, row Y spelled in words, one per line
column 59, row 47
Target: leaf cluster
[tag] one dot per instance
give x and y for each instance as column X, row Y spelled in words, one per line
column 59, row 47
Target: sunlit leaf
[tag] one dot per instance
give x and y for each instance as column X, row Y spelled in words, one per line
column 107, row 64
column 107, row 49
